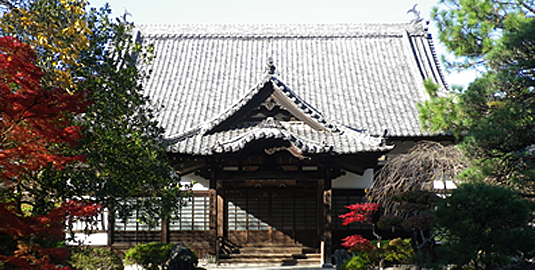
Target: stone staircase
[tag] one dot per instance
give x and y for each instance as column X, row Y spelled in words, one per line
column 271, row 256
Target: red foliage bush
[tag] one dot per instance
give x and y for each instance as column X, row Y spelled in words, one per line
column 30, row 234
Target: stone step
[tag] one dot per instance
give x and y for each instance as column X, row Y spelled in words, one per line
column 266, row 261
column 272, row 256
column 275, row 250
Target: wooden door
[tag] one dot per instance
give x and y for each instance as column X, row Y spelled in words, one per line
column 272, row 217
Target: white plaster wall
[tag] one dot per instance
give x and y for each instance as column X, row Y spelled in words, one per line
column 94, row 239
column 445, row 184
column 200, row 183
column 354, row 181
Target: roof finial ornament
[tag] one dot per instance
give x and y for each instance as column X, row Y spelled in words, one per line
column 416, row 13
column 123, row 20
column 270, row 67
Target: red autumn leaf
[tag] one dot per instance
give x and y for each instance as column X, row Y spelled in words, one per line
column 359, row 213
column 34, row 122
column 32, row 119
column 25, row 229
column 357, row 242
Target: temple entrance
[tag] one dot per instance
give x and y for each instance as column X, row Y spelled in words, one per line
column 272, row 213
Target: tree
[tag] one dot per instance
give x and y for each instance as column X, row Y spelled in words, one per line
column 58, row 30
column 495, row 114
column 366, row 254
column 470, row 29
column 417, row 170
column 122, row 144
column 486, row 228
column 31, row 242
column 34, row 125
column 35, row 122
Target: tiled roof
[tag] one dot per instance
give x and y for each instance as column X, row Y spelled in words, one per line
column 358, row 76
column 299, row 136
column 311, row 135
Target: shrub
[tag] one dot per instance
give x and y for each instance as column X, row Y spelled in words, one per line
column 487, row 227
column 396, row 251
column 94, row 258
column 152, row 256
column 360, row 261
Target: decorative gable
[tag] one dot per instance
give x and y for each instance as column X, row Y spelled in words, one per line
column 271, row 99
column 275, row 115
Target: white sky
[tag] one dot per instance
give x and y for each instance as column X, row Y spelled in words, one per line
column 277, row 11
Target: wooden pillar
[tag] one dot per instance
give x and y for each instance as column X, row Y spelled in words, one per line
column 214, row 210
column 327, row 214
column 220, row 214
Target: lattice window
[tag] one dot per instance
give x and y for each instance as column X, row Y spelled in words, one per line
column 257, row 218
column 133, row 223
column 194, row 216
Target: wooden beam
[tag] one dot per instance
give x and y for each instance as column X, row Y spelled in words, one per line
column 273, row 175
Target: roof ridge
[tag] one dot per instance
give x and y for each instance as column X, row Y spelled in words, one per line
column 282, row 30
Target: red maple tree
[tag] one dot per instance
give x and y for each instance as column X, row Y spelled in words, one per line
column 34, row 126
column 33, row 235
column 358, row 213
column 33, row 120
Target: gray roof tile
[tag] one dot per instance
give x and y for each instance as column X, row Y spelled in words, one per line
column 363, row 76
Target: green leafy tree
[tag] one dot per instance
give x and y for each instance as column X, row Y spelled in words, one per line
column 124, row 150
column 487, row 228
column 494, row 116
column 470, row 29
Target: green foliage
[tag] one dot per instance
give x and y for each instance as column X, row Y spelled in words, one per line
column 151, row 256
column 495, row 116
column 360, row 261
column 123, row 146
column 431, row 87
column 473, row 28
column 396, row 251
column 123, row 143
column 440, row 114
column 487, row 227
column 95, row 258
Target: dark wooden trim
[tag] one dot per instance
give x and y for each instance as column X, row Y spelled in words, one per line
column 327, row 216
column 273, row 175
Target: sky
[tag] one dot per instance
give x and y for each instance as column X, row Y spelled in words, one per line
column 278, row 12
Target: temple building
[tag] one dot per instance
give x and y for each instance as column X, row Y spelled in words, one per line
column 280, row 127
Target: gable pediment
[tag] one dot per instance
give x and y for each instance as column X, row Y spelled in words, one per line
column 271, row 99
column 273, row 114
